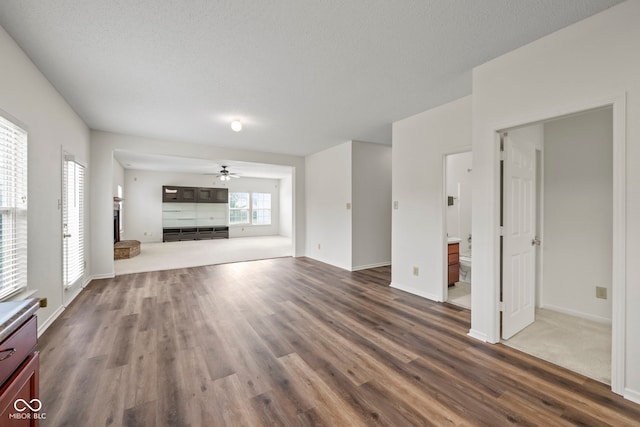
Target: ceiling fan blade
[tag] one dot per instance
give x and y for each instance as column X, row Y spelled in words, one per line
column 233, row 175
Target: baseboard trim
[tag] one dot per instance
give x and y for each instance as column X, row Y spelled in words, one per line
column 102, row 276
column 576, row 313
column 329, row 262
column 45, row 325
column 478, row 335
column 367, row 266
column 631, row 395
column 415, row 291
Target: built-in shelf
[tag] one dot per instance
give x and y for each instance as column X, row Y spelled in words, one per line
column 194, row 215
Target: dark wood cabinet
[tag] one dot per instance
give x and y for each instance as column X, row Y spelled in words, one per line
column 19, row 371
column 453, row 254
column 170, row 194
column 194, row 194
column 207, row 195
column 179, row 234
column 222, row 195
column 23, row 384
column 188, row 194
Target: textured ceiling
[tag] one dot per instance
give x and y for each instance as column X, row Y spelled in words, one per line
column 302, row 75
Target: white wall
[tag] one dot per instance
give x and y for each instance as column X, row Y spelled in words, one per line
column 593, row 62
column 578, row 178
column 104, row 143
column 52, row 126
column 328, row 190
column 143, row 219
column 286, row 205
column 371, row 209
column 419, row 146
column 459, row 179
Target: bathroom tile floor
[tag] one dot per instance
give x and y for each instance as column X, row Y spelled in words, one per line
column 581, row 345
column 460, row 294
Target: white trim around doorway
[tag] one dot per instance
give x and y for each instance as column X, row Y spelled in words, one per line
column 618, row 104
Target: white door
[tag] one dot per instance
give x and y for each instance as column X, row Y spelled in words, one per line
column 73, row 264
column 519, row 225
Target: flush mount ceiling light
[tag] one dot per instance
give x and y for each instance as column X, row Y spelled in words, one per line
column 236, row 125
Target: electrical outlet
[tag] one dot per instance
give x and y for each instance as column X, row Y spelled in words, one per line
column 318, row 246
column 348, row 206
column 416, row 271
column 395, row 204
column 601, row 292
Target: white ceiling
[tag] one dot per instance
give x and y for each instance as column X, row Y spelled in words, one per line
column 301, row 75
column 160, row 163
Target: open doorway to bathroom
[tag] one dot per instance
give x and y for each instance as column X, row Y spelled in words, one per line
column 458, row 182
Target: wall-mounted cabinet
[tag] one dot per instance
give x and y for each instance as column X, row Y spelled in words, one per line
column 172, row 193
column 213, row 195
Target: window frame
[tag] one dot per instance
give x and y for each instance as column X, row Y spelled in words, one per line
column 257, row 210
column 250, row 209
column 247, row 209
column 14, row 173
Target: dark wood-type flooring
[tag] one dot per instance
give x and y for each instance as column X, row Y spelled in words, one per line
column 293, row 342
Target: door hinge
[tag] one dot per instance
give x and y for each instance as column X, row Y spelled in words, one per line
column 501, row 306
column 502, row 230
column 503, row 135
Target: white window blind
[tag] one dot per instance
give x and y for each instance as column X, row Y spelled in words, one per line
column 239, row 208
column 72, row 221
column 13, row 208
column 261, row 208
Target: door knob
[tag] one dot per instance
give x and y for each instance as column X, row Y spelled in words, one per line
column 535, row 242
column 66, row 235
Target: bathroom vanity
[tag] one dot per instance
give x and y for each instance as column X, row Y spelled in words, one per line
column 454, row 261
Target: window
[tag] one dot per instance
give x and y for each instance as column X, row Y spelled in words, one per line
column 261, row 208
column 13, row 208
column 239, row 208
column 254, row 208
column 72, row 221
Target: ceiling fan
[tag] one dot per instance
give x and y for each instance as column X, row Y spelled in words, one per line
column 225, row 175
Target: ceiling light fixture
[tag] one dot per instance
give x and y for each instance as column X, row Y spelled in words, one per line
column 236, row 125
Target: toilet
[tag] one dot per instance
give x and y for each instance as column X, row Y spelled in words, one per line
column 465, row 267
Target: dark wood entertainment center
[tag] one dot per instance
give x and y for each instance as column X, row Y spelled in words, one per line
column 194, row 213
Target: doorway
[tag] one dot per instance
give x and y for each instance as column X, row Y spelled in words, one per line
column 556, row 243
column 73, row 224
column 458, row 191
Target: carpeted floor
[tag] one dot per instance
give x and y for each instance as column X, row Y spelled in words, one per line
column 581, row 345
column 171, row 255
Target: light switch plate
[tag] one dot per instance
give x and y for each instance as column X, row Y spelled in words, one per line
column 348, row 206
